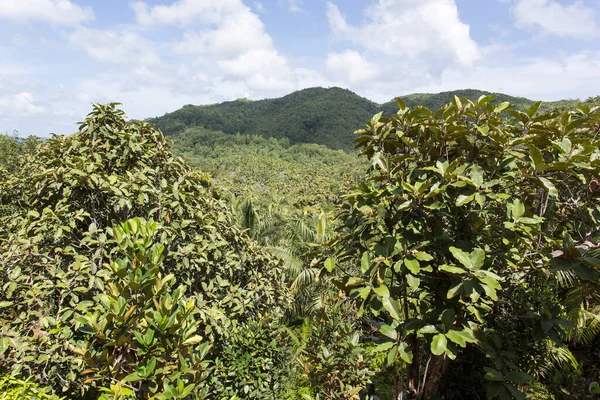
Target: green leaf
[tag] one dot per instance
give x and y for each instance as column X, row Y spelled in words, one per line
column 461, row 337
column 517, row 209
column 477, row 175
column 383, row 347
column 451, row 269
column 536, row 156
column 462, row 257
column 462, row 199
column 413, row 281
column 422, row 256
column 517, row 394
column 447, row 317
column 502, row 106
column 413, row 265
column 454, row 291
column 365, row 262
column 193, row 340
column 519, row 377
column 533, row 109
column 552, row 191
column 400, row 103
column 382, row 290
column 388, row 331
column 391, row 307
column 438, row 344
column 329, row 264
column 493, row 375
column 477, row 258
column 406, row 353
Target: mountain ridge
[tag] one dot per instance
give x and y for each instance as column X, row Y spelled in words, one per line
column 326, row 116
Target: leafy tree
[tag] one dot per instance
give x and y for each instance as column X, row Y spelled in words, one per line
column 461, row 208
column 56, row 239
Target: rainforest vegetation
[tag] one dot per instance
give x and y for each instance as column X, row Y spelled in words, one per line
column 316, row 246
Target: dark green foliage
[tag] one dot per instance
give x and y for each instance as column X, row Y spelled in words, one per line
column 302, row 175
column 462, row 209
column 435, row 101
column 57, row 238
column 14, row 150
column 331, row 354
column 141, row 332
column 255, row 362
column 316, row 115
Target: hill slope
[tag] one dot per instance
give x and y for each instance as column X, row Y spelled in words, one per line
column 316, row 115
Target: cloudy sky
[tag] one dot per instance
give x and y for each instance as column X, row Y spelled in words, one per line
column 57, row 56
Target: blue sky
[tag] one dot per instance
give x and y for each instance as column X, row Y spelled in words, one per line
column 58, row 56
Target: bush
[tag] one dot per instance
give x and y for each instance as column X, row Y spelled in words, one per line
column 58, row 236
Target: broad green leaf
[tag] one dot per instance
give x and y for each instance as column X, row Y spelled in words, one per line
column 412, row 265
column 365, row 262
column 447, row 317
column 438, row 344
column 382, row 290
column 406, row 353
column 413, row 281
column 451, row 269
column 391, row 307
column 519, row 377
column 460, row 337
column 493, row 375
column 462, row 257
column 477, row 175
column 454, row 291
column 477, row 258
column 552, row 191
column 329, row 264
column 388, row 331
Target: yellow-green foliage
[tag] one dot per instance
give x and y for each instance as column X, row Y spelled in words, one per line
column 13, row 388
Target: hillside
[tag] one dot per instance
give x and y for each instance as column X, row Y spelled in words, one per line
column 316, row 115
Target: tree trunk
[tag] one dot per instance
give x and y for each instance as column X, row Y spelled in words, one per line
column 413, row 370
column 433, row 377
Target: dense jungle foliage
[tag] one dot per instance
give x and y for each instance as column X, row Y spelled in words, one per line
column 453, row 255
column 316, row 115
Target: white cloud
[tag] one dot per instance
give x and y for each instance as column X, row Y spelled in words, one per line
column 185, row 12
column 24, row 103
column 259, row 7
column 428, row 29
column 60, row 12
column 572, row 20
column 540, row 78
column 350, row 67
column 294, row 5
column 117, row 47
column 228, row 37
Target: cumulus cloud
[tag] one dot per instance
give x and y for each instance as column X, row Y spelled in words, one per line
column 118, row 46
column 551, row 17
column 541, row 78
column 351, row 67
column 294, row 5
column 60, row 12
column 228, row 34
column 410, row 28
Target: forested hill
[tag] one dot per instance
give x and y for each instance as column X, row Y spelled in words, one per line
column 316, row 115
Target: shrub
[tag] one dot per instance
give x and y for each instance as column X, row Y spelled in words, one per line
column 59, row 234
column 462, row 207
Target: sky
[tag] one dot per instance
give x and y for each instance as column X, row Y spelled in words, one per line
column 154, row 56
